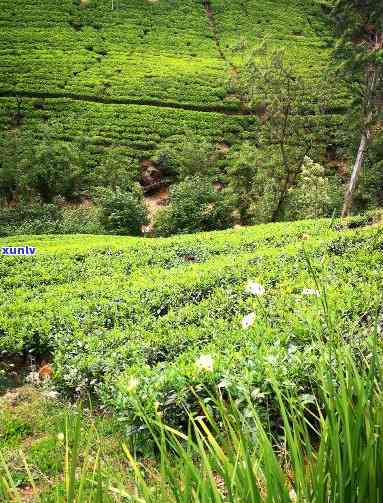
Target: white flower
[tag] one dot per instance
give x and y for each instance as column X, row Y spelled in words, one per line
column 310, row 291
column 248, row 320
column 60, row 437
column 132, row 384
column 52, row 394
column 272, row 359
column 33, row 378
column 293, row 495
column 205, row 362
column 255, row 288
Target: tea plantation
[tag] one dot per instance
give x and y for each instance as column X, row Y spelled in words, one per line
column 160, row 319
column 162, row 50
column 133, row 76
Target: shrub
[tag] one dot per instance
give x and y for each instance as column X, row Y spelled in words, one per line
column 188, row 155
column 49, row 219
column 310, row 197
column 253, row 178
column 28, row 218
column 45, row 169
column 115, row 311
column 123, row 212
column 55, row 169
column 195, row 206
column 78, row 220
column 117, row 170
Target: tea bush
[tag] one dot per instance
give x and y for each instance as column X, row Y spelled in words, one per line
column 132, row 131
column 228, row 454
column 49, row 219
column 169, row 51
column 134, row 76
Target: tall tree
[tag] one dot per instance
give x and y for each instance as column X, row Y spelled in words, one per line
column 360, row 26
column 289, row 108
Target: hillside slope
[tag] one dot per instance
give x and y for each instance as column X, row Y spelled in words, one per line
column 131, row 77
column 164, row 50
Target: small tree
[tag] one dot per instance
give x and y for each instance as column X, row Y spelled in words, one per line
column 360, row 47
column 122, row 212
column 288, row 107
column 46, row 169
column 188, row 155
column 254, row 181
column 15, row 150
column 195, row 206
column 116, row 170
column 310, row 197
column 55, row 168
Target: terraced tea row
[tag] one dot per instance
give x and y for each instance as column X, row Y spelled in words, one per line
column 137, row 130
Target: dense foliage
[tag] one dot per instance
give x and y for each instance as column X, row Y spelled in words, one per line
column 195, row 206
column 360, row 47
column 118, row 314
column 163, row 51
column 239, row 364
column 123, row 212
column 136, row 82
column 328, row 446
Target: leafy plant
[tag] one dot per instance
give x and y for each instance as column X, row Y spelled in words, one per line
column 188, row 155
column 195, row 206
column 327, row 446
column 289, row 107
column 123, row 212
column 310, row 197
column 252, row 177
column 116, row 171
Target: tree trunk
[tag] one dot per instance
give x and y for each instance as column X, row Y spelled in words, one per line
column 355, row 175
column 372, row 77
column 281, row 200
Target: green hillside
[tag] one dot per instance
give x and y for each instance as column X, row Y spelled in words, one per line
column 191, row 249
column 162, row 50
column 133, row 76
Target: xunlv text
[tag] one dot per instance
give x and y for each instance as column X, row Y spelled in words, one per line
column 18, row 250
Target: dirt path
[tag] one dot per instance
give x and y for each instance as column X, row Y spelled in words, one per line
column 154, row 203
column 213, row 28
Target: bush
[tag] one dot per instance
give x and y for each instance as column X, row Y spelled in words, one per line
column 79, row 220
column 49, row 219
column 43, row 169
column 116, row 311
column 195, row 206
column 28, row 218
column 188, row 155
column 123, row 212
column 117, row 170
column 253, row 177
column 310, row 197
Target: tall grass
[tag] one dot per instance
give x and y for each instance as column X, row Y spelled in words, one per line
column 329, row 449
